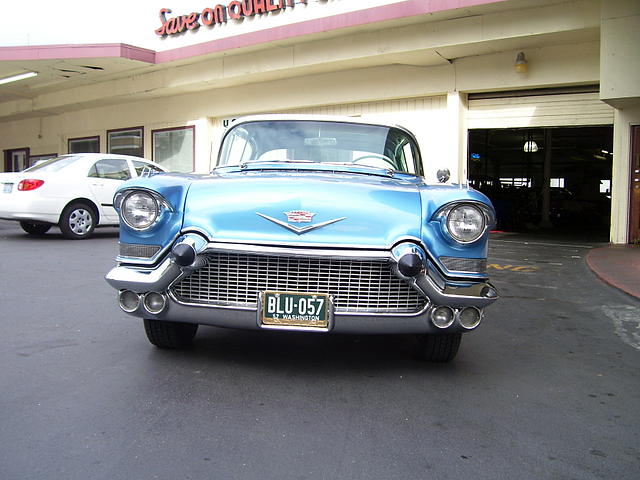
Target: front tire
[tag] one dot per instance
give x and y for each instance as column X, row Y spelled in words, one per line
column 439, row 348
column 78, row 221
column 33, row 228
column 171, row 335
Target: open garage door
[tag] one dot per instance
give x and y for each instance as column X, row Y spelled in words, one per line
column 545, row 162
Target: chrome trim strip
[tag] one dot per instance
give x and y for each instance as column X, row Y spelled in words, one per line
column 278, row 243
column 252, row 308
column 221, row 305
column 198, row 231
column 298, row 252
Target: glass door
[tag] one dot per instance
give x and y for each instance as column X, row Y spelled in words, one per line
column 16, row 160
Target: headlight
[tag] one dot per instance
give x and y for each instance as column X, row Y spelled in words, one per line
column 139, row 210
column 466, row 223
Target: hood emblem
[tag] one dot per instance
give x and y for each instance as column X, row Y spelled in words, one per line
column 299, row 216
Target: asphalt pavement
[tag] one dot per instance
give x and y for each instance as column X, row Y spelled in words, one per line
column 547, row 388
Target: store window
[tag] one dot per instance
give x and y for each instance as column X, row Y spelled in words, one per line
column 84, row 145
column 126, row 141
column 173, row 148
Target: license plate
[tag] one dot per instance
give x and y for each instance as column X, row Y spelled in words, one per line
column 6, row 187
column 290, row 309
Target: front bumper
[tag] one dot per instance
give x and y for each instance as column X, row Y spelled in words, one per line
column 435, row 290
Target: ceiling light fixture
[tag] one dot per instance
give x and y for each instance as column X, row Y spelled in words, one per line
column 530, row 146
column 521, row 65
column 16, row 78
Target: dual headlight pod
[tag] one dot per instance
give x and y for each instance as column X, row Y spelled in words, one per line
column 466, row 222
column 140, row 209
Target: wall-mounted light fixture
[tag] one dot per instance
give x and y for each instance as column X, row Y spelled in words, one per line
column 521, row 65
column 16, row 78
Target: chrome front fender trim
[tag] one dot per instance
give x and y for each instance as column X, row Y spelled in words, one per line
column 480, row 295
column 140, row 279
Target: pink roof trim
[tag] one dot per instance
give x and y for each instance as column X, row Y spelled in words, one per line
column 395, row 11
column 56, row 52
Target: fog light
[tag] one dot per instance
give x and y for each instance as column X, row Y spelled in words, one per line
column 154, row 302
column 129, row 301
column 470, row 317
column 442, row 317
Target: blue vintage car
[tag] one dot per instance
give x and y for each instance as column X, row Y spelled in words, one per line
column 314, row 224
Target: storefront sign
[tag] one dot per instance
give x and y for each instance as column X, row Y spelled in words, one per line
column 219, row 14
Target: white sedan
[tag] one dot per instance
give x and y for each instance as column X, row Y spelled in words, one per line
column 73, row 191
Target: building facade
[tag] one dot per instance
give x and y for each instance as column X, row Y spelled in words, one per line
column 480, row 82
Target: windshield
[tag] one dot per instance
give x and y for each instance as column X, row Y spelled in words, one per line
column 321, row 142
column 53, row 164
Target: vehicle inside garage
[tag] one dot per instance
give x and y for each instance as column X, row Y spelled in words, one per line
column 551, row 180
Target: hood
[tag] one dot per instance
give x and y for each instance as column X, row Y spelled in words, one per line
column 305, row 208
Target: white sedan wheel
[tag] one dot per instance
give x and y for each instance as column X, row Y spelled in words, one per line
column 78, row 221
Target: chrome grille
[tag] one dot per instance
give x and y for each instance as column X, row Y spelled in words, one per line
column 358, row 286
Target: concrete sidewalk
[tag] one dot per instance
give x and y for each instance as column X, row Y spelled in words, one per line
column 617, row 265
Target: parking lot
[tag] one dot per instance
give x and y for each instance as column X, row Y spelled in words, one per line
column 547, row 388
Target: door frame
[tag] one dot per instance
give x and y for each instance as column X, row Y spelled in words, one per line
column 634, row 186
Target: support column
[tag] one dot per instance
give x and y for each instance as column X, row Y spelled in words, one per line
column 621, row 175
column 458, row 138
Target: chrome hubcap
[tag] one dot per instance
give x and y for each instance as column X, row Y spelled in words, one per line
column 80, row 221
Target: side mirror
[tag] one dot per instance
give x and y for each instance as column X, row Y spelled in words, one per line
column 443, row 175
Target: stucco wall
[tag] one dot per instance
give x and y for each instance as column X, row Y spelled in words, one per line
column 620, row 58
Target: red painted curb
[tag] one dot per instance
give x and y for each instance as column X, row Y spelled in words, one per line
column 607, row 264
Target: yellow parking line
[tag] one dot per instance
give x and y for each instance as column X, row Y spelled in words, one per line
column 514, row 268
